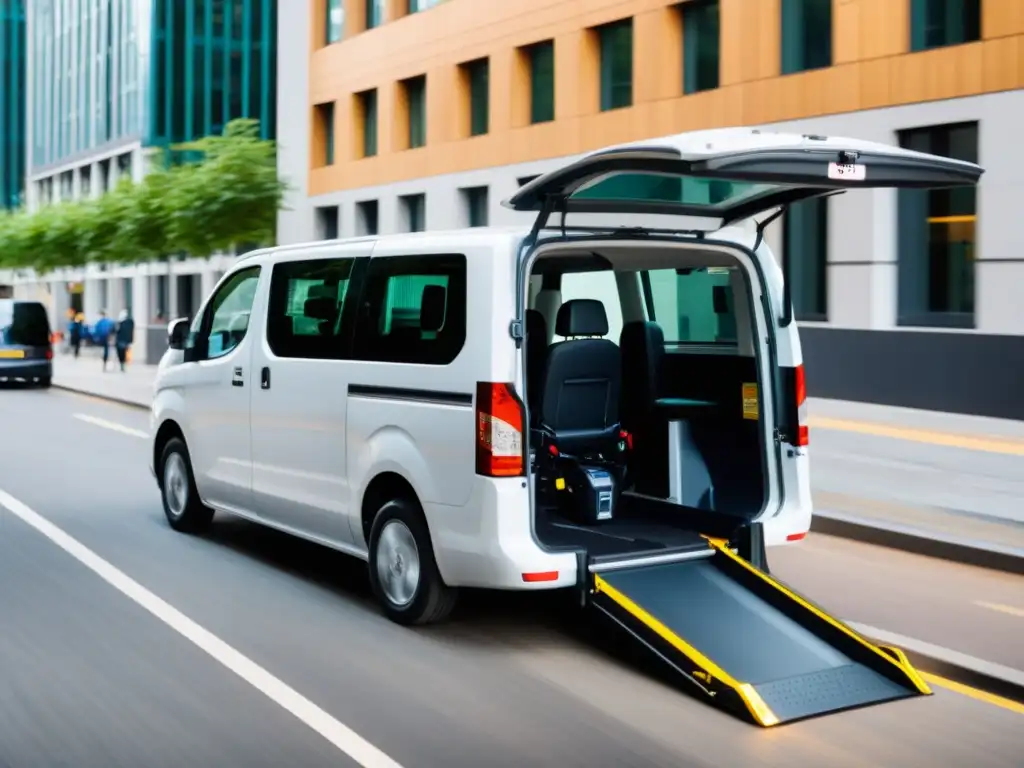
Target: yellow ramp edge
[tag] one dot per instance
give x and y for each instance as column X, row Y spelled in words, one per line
column 760, row 711
column 897, row 658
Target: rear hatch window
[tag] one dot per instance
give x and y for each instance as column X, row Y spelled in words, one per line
column 24, row 323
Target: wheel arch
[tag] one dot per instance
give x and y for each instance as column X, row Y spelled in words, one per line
column 384, row 487
column 168, row 430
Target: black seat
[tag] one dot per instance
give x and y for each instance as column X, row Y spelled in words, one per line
column 536, row 356
column 642, row 346
column 582, row 379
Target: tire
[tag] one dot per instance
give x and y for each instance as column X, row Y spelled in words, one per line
column 182, row 507
column 45, row 382
column 398, row 537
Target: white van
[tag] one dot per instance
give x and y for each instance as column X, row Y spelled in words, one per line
column 522, row 409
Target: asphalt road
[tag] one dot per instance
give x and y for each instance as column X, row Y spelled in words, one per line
column 88, row 677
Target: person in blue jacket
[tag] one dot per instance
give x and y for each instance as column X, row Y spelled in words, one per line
column 103, row 331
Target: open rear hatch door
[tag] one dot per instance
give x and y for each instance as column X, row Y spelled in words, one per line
column 748, row 643
column 727, row 175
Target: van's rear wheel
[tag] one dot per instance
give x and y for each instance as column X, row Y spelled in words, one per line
column 184, row 511
column 403, row 572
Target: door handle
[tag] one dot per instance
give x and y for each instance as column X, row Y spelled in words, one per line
column 265, row 378
column 236, row 378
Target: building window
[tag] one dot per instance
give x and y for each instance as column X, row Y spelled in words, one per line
column 415, row 6
column 305, row 312
column 936, row 23
column 616, row 46
column 335, row 20
column 542, row 81
column 805, row 257
column 374, row 13
column 415, row 310
column 936, row 242
column 367, row 218
column 806, row 35
column 367, row 101
column 416, row 101
column 325, row 129
column 477, row 78
column 414, row 212
column 700, row 45
column 327, row 219
column 475, row 200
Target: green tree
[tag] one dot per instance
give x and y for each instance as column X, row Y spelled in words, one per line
column 205, row 196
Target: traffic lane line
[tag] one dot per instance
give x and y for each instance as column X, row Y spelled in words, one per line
column 930, row 437
column 336, row 733
column 1007, row 609
column 111, row 425
column 974, row 693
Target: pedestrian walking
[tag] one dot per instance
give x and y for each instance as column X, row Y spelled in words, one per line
column 124, row 336
column 75, row 329
column 104, row 330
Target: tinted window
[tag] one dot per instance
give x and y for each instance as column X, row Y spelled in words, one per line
column 226, row 319
column 413, row 310
column 24, row 323
column 304, row 318
column 692, row 306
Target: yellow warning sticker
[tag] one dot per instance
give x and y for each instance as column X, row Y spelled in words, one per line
column 750, row 408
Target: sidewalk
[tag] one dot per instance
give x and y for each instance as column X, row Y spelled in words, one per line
column 943, row 474
column 85, row 374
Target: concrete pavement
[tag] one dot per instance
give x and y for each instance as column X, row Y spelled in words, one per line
column 507, row 683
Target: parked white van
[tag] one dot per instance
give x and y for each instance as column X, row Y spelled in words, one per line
column 523, row 408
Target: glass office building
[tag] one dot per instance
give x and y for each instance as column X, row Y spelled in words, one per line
column 107, row 81
column 109, row 77
column 12, row 103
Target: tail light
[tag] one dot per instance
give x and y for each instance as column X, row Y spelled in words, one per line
column 499, row 431
column 49, row 353
column 793, row 419
column 800, row 396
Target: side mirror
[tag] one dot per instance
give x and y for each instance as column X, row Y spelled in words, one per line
column 177, row 333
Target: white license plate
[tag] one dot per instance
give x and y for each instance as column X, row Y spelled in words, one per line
column 847, row 171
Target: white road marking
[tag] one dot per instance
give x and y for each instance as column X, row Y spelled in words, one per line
column 111, row 425
column 341, row 736
column 1007, row 609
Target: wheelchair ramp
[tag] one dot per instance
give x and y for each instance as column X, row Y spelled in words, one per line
column 751, row 645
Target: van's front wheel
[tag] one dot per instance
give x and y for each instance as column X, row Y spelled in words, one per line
column 184, row 511
column 403, row 572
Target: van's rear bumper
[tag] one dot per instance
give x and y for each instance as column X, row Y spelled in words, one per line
column 26, row 369
column 488, row 543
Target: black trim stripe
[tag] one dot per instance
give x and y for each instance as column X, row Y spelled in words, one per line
column 433, row 396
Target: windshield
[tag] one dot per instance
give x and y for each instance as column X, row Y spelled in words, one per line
column 24, row 324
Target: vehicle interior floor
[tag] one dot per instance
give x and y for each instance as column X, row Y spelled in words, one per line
column 613, row 537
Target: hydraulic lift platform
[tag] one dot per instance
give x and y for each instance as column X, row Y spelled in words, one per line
column 746, row 641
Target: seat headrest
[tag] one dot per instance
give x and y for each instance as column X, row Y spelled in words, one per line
column 432, row 308
column 320, row 308
column 581, row 317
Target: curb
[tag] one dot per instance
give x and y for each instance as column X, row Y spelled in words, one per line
column 986, row 676
column 919, row 542
column 100, row 396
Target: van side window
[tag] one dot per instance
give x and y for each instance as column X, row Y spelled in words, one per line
column 413, row 310
column 692, row 306
column 305, row 312
column 227, row 317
